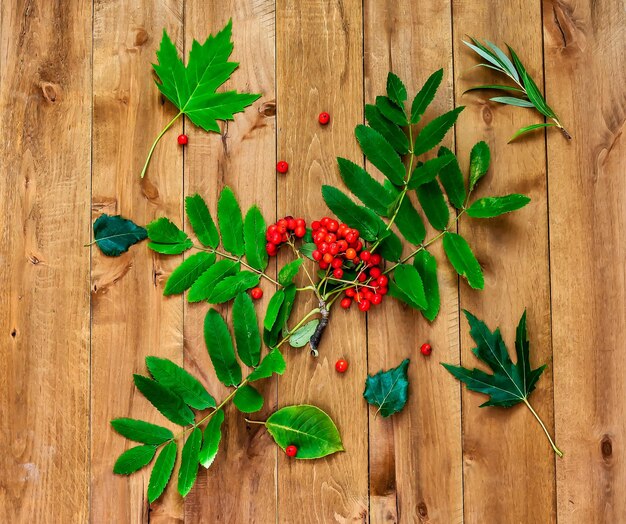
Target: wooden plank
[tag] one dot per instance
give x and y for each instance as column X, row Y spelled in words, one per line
column 508, row 464
column 131, row 318
column 240, row 486
column 45, row 101
column 415, row 457
column 319, row 68
column 584, row 49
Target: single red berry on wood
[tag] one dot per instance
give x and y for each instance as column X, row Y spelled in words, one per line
column 345, row 302
column 341, row 366
column 256, row 293
column 282, row 167
column 183, row 140
column 291, row 450
column 324, row 118
column 426, row 350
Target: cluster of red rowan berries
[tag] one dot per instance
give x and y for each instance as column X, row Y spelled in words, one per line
column 278, row 233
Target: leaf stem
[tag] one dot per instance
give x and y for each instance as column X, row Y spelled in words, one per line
column 545, row 430
column 156, row 141
column 261, row 422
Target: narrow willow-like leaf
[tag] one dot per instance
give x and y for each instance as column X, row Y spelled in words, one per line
column 490, row 207
column 169, row 404
column 487, row 55
column 162, row 471
column 380, row 153
column 355, row 216
column 301, row 336
column 365, row 188
column 141, row 431
column 498, row 87
column 211, row 440
column 530, row 128
column 480, row 158
column 504, row 60
column 273, row 308
column 254, row 236
column 231, row 286
column 427, row 172
column 289, row 272
column 134, row 459
column 201, row 221
column 180, row 381
column 535, row 96
column 114, row 234
column 388, row 390
column 247, row 399
column 189, row 462
column 220, row 347
column 390, row 247
column 273, row 362
column 452, row 179
column 463, row 260
column 408, row 280
column 425, row 96
column 426, row 265
column 391, row 111
column 512, row 101
column 435, row 130
column 246, row 330
column 183, row 277
column 166, row 238
column 202, row 288
column 396, row 89
column 434, row 205
column 390, row 131
column 410, row 223
column 231, row 222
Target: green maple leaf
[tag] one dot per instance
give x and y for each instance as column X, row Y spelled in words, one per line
column 510, row 383
column 192, row 89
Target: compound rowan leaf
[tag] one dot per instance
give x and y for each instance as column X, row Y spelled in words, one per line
column 452, row 179
column 169, row 404
column 273, row 362
column 231, row 286
column 246, row 330
column 355, row 216
column 201, row 221
column 183, row 277
column 388, row 129
column 368, row 190
column 141, row 431
column 220, row 347
column 434, row 131
column 380, row 153
column 254, row 239
column 162, row 471
column 426, row 265
column 425, row 96
column 434, row 205
column 230, row 222
column 388, row 390
column 189, row 462
column 490, row 207
column 115, row 234
column 165, row 237
column 480, row 158
column 133, row 459
column 211, row 440
column 247, row 399
column 205, row 284
column 463, row 260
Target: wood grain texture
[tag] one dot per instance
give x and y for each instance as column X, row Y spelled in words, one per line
column 503, row 449
column 319, row 68
column 44, row 270
column 241, row 483
column 409, row 482
column 130, row 317
column 585, row 78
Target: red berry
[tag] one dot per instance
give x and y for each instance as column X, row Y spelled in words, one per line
column 276, row 238
column 382, row 281
column 345, row 302
column 324, row 265
column 299, row 232
column 375, row 259
column 375, row 272
column 350, row 253
column 328, row 258
column 365, row 256
column 350, row 292
column 183, row 140
column 282, row 167
column 256, row 293
column 376, row 299
column 382, row 290
column 300, row 222
column 324, row 118
column 426, row 350
column 333, row 226
column 338, row 273
column 315, row 225
column 341, row 366
column 364, row 305
column 361, row 277
column 291, row 224
column 291, row 450
column 317, row 255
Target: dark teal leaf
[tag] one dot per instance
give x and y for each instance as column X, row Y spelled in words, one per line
column 211, row 440
column 247, row 399
column 380, row 153
column 272, row 363
column 169, row 404
column 391, row 132
column 452, row 179
column 114, row 234
column 480, row 157
column 391, row 111
column 162, row 471
column 435, row 130
column 355, row 216
column 189, row 462
column 166, row 238
column 202, row 288
column 425, row 96
column 246, row 330
column 230, row 222
column 367, row 189
column 434, row 205
column 289, row 272
column 133, row 459
column 410, row 223
column 141, row 431
column 254, row 236
column 201, row 221
column 463, row 260
column 396, row 89
column 231, row 286
column 388, row 390
column 220, row 347
column 426, row 265
column 489, row 207
column 188, row 272
column 409, row 281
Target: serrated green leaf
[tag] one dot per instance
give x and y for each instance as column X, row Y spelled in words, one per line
column 306, row 249
column 489, row 207
column 273, row 362
column 273, row 308
column 355, row 216
column 434, row 205
column 512, row 101
column 391, row 132
column 254, row 236
column 247, row 399
column 527, row 129
column 365, row 188
column 134, row 459
column 396, row 89
column 480, row 157
column 115, row 234
column 425, row 96
column 391, row 111
column 435, row 130
column 308, row 428
column 289, row 272
column 396, row 292
column 409, row 281
column 390, row 247
column 166, row 238
column 246, row 330
column 220, row 347
column 301, row 336
column 162, row 471
column 205, row 284
column 231, row 286
column 211, row 440
column 169, row 404
column 188, row 272
column 201, row 221
column 189, row 462
column 283, row 315
column 380, row 153
column 388, row 390
column 452, row 179
column 181, row 382
column 230, row 222
column 410, row 223
column 141, row 431
column 426, row 265
column 463, row 260
column 427, row 172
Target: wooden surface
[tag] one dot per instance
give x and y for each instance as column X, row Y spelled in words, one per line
column 79, row 110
